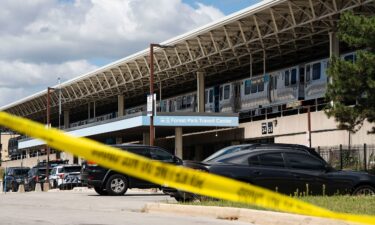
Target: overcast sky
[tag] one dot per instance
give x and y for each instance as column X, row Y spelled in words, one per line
column 41, row 40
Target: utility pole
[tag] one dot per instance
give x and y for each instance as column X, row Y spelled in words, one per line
column 49, row 89
column 151, row 61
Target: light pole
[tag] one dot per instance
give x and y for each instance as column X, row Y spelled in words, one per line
column 151, row 61
column 49, row 89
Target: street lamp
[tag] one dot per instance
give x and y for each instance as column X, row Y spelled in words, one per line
column 49, row 89
column 152, row 129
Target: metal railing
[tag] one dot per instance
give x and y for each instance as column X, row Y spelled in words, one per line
column 356, row 157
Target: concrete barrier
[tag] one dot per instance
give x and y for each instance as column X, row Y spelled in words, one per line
column 21, row 188
column 38, row 187
column 46, row 186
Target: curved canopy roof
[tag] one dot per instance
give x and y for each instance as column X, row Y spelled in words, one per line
column 270, row 29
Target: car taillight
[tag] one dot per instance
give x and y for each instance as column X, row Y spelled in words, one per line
column 91, row 163
column 36, row 178
column 61, row 176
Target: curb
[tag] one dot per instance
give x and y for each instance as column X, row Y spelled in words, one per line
column 258, row 217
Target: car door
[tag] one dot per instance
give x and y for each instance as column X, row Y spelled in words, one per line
column 309, row 173
column 269, row 171
column 136, row 182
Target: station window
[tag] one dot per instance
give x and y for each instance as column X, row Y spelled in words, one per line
column 254, row 88
column 179, row 103
column 188, row 103
column 286, row 77
column 247, row 86
column 316, row 71
column 211, row 95
column 163, row 106
column 226, row 91
column 293, row 77
column 184, row 102
column 261, row 86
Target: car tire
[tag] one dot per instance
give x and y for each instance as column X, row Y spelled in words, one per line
column 364, row 190
column 185, row 197
column 116, row 185
column 100, row 191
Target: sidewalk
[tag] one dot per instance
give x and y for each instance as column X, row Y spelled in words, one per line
column 258, row 217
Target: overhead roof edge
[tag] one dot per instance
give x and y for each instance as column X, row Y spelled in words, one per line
column 200, row 30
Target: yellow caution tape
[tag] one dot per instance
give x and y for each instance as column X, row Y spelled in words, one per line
column 169, row 175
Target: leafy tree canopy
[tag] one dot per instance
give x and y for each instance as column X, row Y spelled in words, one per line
column 352, row 90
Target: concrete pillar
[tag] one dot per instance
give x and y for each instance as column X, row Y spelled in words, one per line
column 120, row 105
column 66, row 119
column 334, row 48
column 178, row 142
column 146, row 138
column 200, row 91
column 118, row 140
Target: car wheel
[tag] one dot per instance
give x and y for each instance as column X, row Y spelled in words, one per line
column 185, row 197
column 117, row 185
column 100, row 191
column 364, row 190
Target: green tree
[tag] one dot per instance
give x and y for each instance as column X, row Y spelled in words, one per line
column 352, row 90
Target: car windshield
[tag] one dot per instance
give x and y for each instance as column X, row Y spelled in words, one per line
column 224, row 151
column 71, row 169
column 21, row 172
column 42, row 171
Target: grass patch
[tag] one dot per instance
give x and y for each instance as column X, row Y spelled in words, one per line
column 345, row 204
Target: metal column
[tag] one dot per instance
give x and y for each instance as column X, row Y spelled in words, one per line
column 200, row 91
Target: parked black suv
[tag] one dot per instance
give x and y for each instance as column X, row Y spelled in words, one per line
column 36, row 175
column 288, row 169
column 14, row 176
column 109, row 182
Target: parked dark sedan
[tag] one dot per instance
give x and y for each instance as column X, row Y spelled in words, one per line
column 288, row 169
column 15, row 176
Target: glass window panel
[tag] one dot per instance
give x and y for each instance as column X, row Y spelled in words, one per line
column 316, row 71
column 261, row 86
column 271, row 160
column 247, row 87
column 293, row 78
column 305, row 162
column 286, row 77
column 254, row 88
column 226, row 91
column 158, row 154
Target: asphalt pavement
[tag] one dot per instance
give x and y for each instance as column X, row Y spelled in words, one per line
column 87, row 208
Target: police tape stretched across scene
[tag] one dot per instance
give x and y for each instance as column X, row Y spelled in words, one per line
column 169, row 175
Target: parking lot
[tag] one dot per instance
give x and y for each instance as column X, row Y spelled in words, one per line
column 86, row 207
